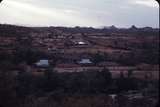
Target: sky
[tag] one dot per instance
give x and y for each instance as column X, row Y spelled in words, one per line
column 88, row 13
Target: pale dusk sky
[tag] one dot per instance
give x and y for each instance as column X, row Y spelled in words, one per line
column 95, row 13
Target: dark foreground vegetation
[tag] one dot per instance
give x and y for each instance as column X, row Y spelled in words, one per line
column 55, row 89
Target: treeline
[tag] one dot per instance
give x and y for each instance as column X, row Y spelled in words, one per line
column 32, row 55
column 149, row 56
column 14, row 31
column 108, row 30
column 87, row 82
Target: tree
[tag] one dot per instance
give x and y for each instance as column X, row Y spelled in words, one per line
column 51, row 81
column 24, row 84
column 130, row 73
column 121, row 75
column 8, row 96
column 97, row 58
column 106, row 74
column 27, row 54
column 126, row 83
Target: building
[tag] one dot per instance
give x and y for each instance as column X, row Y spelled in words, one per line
column 42, row 63
column 81, row 43
column 85, row 62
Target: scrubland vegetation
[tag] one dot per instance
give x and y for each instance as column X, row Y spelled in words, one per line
column 23, row 84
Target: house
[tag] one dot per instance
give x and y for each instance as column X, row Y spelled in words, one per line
column 85, row 62
column 81, row 43
column 42, row 63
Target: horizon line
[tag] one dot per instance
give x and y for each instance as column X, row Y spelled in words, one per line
column 96, row 27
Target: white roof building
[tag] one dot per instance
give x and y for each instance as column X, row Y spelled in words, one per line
column 43, row 63
column 81, row 43
column 85, row 61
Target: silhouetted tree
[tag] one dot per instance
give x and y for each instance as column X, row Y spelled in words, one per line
column 27, row 54
column 126, row 83
column 130, row 73
column 51, row 81
column 107, row 75
column 97, row 58
column 8, row 97
column 25, row 86
column 102, row 80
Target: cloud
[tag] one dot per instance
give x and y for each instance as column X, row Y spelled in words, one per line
column 123, row 13
column 30, row 13
column 148, row 3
